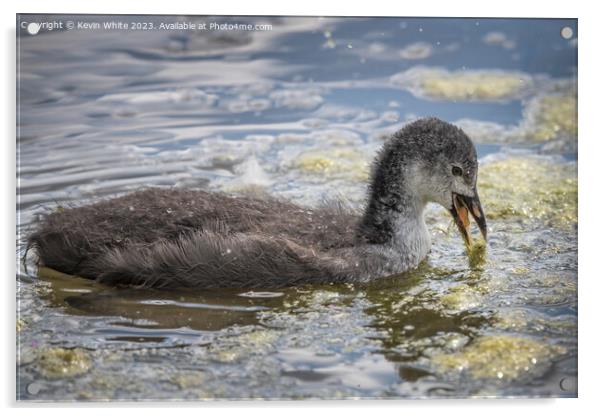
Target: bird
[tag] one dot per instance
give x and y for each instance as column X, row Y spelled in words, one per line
column 176, row 238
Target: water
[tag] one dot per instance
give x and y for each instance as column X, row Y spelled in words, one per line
column 299, row 111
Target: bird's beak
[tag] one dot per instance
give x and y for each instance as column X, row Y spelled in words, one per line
column 461, row 206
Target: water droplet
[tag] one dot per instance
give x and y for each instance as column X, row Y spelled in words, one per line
column 330, row 43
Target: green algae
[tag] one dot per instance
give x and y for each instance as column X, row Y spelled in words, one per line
column 188, row 379
column 520, row 319
column 345, row 163
column 552, row 117
column 503, row 356
column 477, row 253
column 241, row 346
column 61, row 362
column 464, row 85
column 463, row 297
column 550, row 290
column 482, row 86
column 20, row 324
column 531, row 189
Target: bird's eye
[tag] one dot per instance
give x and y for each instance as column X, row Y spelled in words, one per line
column 456, row 171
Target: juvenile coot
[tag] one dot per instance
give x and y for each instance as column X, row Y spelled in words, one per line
column 175, row 238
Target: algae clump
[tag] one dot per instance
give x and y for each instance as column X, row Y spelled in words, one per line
column 61, row 362
column 464, row 85
column 334, row 163
column 189, row 379
column 530, row 188
column 462, row 297
column 234, row 348
column 499, row 357
column 477, row 253
column 552, row 116
column 20, row 325
column 473, row 86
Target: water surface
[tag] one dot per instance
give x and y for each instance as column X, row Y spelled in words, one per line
column 299, row 112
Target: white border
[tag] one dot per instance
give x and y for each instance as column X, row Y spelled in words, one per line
column 590, row 170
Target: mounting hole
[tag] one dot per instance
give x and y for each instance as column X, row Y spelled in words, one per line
column 566, row 32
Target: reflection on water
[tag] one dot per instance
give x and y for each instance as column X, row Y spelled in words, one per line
column 300, row 111
column 155, row 309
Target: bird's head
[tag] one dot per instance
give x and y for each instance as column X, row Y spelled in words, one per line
column 434, row 161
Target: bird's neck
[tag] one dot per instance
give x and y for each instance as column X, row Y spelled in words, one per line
column 394, row 215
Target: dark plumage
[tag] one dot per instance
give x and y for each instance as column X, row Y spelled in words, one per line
column 187, row 238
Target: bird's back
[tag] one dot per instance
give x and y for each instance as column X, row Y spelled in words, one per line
column 70, row 238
